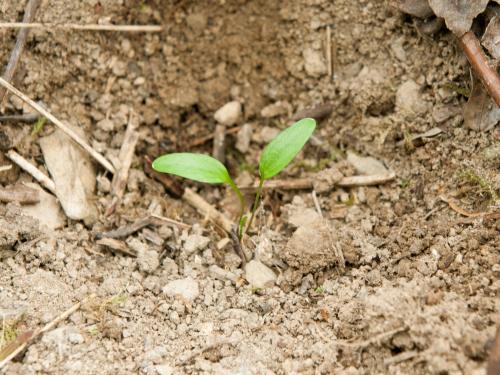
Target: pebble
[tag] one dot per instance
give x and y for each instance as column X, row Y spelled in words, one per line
column 164, row 369
column 243, row 138
column 186, row 288
column 229, row 113
column 266, row 135
column 409, row 98
column 314, row 63
column 195, row 242
column 259, row 275
column 279, row 108
column 366, row 165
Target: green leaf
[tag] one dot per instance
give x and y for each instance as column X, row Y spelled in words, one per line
column 198, row 167
column 282, row 149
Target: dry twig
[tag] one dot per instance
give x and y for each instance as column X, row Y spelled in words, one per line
column 116, row 246
column 5, row 168
column 89, row 27
column 480, row 65
column 207, row 138
column 30, row 338
column 32, row 170
column 126, row 155
column 21, row 194
column 455, row 207
column 219, row 145
column 206, row 209
column 29, row 15
column 101, row 159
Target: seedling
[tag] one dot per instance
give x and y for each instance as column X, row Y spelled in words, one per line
column 274, row 158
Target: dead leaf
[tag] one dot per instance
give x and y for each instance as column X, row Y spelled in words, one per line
column 480, row 113
column 458, row 14
column 491, row 38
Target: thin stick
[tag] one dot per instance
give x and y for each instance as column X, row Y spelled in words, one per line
column 117, row 246
column 329, row 50
column 219, row 145
column 89, row 27
column 375, row 179
column 21, row 194
column 205, row 139
column 479, row 63
column 455, row 207
column 125, row 156
column 106, row 164
column 28, row 118
column 32, row 170
column 206, row 209
column 40, row 332
column 29, row 15
column 316, row 203
column 5, row 168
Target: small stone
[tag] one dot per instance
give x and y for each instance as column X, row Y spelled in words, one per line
column 409, row 98
column 106, row 125
column 186, row 288
column 155, row 355
column 325, row 180
column 279, row 108
column 147, row 260
column 266, row 135
column 195, row 242
column 75, row 338
column 228, row 114
column 164, row 369
column 314, row 63
column 47, row 210
column 243, row 138
column 259, row 275
column 366, row 165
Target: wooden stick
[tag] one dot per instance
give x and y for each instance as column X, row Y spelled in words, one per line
column 101, row 159
column 29, row 15
column 32, row 170
column 307, row 182
column 205, row 139
column 318, row 113
column 206, row 209
column 329, row 50
column 125, row 156
column 21, row 194
column 75, row 26
column 40, row 332
column 116, row 246
column 5, row 168
column 480, row 65
column 219, row 145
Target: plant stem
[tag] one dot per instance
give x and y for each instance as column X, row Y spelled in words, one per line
column 255, row 203
column 242, row 206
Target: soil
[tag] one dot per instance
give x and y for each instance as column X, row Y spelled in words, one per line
column 408, row 286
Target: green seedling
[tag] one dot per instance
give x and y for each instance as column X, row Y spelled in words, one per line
column 274, row 158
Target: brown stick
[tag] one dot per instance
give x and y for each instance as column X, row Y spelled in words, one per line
column 480, row 65
column 205, row 139
column 89, row 27
column 219, row 146
column 318, row 113
column 32, row 170
column 126, row 155
column 116, row 246
column 66, row 129
column 20, row 194
column 206, row 209
column 29, row 15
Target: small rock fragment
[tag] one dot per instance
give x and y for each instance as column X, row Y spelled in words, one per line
column 266, row 135
column 164, row 369
column 314, row 63
column 47, row 211
column 148, row 261
column 409, row 98
column 297, row 214
column 366, row 165
column 259, row 275
column 228, row 114
column 186, row 288
column 195, row 242
column 279, row 108
column 326, row 179
column 244, row 137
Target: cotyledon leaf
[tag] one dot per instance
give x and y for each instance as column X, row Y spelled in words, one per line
column 197, row 167
column 282, row 149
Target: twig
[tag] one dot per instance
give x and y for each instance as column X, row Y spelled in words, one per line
column 172, row 186
column 28, row 118
column 29, row 15
column 219, row 146
column 318, row 113
column 207, row 138
column 308, row 183
column 117, row 245
column 5, row 168
column 21, row 194
column 106, row 164
column 137, row 225
column 239, row 249
column 206, row 209
column 316, row 203
column 455, row 207
column 40, row 332
column 401, row 357
column 480, row 65
column 88, row 27
column 126, row 155
column 32, row 170
column 329, row 50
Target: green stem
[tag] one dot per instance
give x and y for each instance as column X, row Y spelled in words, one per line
column 255, row 203
column 242, row 204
